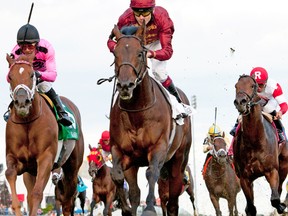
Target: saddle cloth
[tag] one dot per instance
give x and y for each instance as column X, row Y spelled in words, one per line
column 65, row 132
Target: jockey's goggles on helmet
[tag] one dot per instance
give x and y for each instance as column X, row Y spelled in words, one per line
column 142, row 11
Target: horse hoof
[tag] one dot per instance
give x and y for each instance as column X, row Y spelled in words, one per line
column 149, row 213
column 281, row 208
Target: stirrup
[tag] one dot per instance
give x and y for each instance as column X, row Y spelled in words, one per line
column 64, row 119
column 6, row 115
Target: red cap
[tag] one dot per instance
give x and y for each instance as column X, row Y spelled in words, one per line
column 260, row 75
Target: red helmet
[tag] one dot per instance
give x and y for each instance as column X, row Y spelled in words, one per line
column 105, row 135
column 142, row 3
column 260, row 74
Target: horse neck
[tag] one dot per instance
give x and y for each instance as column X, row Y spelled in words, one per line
column 253, row 121
column 216, row 169
column 102, row 171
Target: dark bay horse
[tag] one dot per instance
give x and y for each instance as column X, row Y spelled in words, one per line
column 163, row 190
column 220, row 177
column 142, row 131
column 103, row 186
column 58, row 181
column 256, row 149
column 32, row 140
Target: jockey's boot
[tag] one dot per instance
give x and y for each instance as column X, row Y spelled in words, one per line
column 280, row 130
column 169, row 85
column 233, row 131
column 63, row 116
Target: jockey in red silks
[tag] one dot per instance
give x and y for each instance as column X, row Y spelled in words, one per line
column 276, row 104
column 28, row 42
column 159, row 32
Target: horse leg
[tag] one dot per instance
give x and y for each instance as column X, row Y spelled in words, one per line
column 11, row 176
column 273, row 179
column 118, row 178
column 58, row 206
column 92, row 205
column 134, row 190
column 247, row 188
column 190, row 192
column 231, row 204
column 215, row 202
column 82, row 197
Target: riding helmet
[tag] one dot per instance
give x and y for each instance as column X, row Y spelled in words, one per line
column 142, row 3
column 215, row 130
column 260, row 75
column 105, row 135
column 27, row 34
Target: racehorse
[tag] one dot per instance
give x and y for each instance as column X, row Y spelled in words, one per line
column 142, row 130
column 103, row 186
column 57, row 180
column 32, row 139
column 256, row 150
column 163, row 190
column 220, row 177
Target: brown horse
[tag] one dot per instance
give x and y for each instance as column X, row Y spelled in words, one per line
column 103, row 186
column 142, row 130
column 220, row 177
column 58, row 181
column 32, row 140
column 163, row 190
column 256, row 149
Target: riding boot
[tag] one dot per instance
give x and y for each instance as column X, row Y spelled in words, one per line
column 62, row 114
column 169, row 85
column 280, row 130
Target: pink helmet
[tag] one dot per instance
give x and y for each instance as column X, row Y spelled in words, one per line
column 142, row 3
column 260, row 74
column 105, row 135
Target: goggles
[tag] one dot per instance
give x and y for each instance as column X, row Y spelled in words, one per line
column 143, row 12
column 29, row 46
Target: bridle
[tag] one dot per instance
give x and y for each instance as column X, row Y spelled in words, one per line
column 143, row 64
column 251, row 98
column 30, row 92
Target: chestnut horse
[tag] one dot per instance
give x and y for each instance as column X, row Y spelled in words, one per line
column 163, row 190
column 142, row 131
column 220, row 177
column 103, row 186
column 256, row 150
column 32, row 140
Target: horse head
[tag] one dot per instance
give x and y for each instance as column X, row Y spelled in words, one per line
column 219, row 151
column 130, row 61
column 246, row 94
column 22, row 81
column 96, row 161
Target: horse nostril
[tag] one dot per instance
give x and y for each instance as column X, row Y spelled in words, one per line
column 243, row 101
column 16, row 102
column 131, row 85
column 27, row 101
column 235, row 102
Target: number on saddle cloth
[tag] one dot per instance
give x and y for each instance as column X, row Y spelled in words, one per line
column 65, row 132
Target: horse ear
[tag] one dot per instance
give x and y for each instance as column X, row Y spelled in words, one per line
column 223, row 134
column 116, row 32
column 9, row 59
column 90, row 147
column 141, row 32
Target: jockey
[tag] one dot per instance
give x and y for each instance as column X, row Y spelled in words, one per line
column 213, row 131
column 28, row 41
column 104, row 145
column 275, row 102
column 160, row 29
